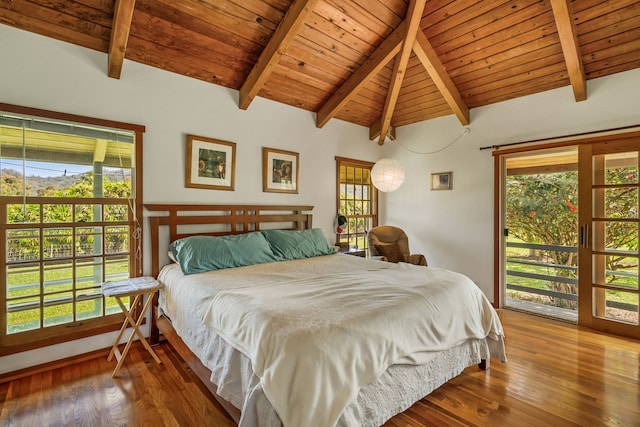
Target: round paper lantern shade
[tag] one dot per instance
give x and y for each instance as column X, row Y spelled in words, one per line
column 387, row 175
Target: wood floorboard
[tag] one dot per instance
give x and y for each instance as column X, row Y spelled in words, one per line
column 557, row 375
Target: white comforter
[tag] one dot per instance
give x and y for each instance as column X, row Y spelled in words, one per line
column 314, row 341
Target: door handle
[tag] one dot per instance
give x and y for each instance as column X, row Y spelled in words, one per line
column 584, row 236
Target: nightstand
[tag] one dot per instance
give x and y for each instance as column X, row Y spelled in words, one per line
column 136, row 288
column 355, row 252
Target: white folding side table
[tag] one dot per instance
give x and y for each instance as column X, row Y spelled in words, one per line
column 136, row 288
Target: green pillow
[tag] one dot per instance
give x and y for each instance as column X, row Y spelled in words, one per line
column 298, row 244
column 197, row 254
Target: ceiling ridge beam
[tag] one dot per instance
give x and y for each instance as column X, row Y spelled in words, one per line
column 431, row 62
column 570, row 47
column 122, row 16
column 414, row 15
column 369, row 68
column 279, row 43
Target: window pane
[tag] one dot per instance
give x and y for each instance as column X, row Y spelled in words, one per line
column 621, row 202
column 85, row 213
column 616, row 270
column 358, row 207
column 622, row 236
column 366, row 176
column 88, row 272
column 350, row 191
column 57, row 243
column 621, row 168
column 358, row 192
column 23, row 280
column 20, row 214
column 615, row 235
column 116, row 240
column 89, row 308
column 57, row 314
column 89, row 303
column 23, row 245
column 116, row 212
column 117, row 183
column 619, row 305
column 88, row 241
column 58, row 276
column 53, row 213
column 23, row 315
column 116, row 268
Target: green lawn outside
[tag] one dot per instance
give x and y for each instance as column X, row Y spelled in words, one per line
column 24, row 284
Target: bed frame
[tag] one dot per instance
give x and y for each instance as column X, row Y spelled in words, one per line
column 169, row 222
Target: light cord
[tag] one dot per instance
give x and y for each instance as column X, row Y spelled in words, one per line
column 463, row 133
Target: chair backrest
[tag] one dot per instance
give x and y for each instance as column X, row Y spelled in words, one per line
column 386, row 234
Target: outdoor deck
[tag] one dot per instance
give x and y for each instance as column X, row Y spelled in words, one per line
column 543, row 310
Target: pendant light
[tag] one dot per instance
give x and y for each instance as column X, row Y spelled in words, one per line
column 387, row 175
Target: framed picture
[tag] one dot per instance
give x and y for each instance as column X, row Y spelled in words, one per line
column 279, row 171
column 442, row 181
column 211, row 163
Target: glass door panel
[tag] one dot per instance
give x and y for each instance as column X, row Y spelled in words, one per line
column 541, row 233
column 609, row 238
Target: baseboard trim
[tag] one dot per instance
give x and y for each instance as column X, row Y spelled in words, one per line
column 61, row 363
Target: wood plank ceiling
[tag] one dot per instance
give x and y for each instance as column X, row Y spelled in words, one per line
column 376, row 63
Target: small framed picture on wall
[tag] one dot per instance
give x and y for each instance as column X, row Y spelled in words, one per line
column 442, row 181
column 211, row 163
column 279, row 171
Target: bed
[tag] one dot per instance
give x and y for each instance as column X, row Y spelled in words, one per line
column 284, row 331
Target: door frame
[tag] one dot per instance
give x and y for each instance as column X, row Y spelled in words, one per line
column 629, row 135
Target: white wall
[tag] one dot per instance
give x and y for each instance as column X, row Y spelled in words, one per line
column 44, row 73
column 454, row 229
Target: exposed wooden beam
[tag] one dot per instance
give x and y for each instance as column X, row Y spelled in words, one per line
column 375, row 128
column 414, row 14
column 122, row 15
column 570, row 48
column 371, row 66
column 277, row 46
column 424, row 51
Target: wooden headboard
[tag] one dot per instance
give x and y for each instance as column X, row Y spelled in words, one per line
column 218, row 220
column 214, row 220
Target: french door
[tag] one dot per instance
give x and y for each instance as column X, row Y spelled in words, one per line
column 569, row 231
column 609, row 231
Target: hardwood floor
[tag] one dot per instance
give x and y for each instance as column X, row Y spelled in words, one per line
column 556, row 375
column 143, row 394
